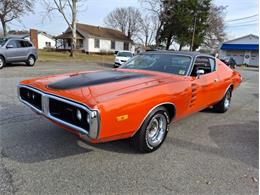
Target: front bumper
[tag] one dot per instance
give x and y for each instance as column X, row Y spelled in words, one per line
column 44, row 109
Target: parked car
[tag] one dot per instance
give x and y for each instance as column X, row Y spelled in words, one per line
column 122, row 57
column 138, row 100
column 229, row 61
column 17, row 50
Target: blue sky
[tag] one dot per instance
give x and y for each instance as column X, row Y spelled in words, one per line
column 94, row 11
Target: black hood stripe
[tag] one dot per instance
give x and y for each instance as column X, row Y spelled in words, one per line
column 94, row 78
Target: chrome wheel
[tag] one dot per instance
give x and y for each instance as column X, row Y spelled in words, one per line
column 156, row 130
column 1, row 62
column 31, row 61
column 227, row 100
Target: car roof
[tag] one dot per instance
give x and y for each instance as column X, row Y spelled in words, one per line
column 14, row 38
column 189, row 53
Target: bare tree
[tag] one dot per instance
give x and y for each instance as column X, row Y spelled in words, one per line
column 216, row 29
column 68, row 9
column 154, row 7
column 127, row 20
column 148, row 26
column 12, row 10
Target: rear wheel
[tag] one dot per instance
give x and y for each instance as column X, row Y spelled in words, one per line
column 153, row 131
column 224, row 104
column 31, row 60
column 2, row 62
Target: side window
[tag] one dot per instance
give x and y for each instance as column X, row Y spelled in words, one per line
column 202, row 63
column 23, row 43
column 12, row 43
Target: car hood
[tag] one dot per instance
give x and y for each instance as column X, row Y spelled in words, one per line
column 95, row 87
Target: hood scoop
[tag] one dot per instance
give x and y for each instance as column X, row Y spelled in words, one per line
column 94, row 78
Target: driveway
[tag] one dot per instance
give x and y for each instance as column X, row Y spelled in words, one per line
column 205, row 153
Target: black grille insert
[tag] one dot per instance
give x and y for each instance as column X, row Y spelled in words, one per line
column 68, row 113
column 32, row 97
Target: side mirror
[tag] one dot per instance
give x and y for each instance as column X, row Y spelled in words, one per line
column 9, row 46
column 200, row 72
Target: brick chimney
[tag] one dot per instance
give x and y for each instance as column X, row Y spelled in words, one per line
column 34, row 37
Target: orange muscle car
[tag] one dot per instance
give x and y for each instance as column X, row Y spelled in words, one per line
column 138, row 100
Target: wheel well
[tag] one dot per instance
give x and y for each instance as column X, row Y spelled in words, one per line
column 171, row 110
column 32, row 56
column 231, row 87
column 3, row 57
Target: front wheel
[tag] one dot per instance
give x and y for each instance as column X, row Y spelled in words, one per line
column 31, row 60
column 153, row 131
column 224, row 104
column 2, row 62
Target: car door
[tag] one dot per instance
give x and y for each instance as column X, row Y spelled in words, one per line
column 23, row 49
column 205, row 87
column 12, row 51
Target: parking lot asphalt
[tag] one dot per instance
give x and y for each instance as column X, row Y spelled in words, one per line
column 206, row 153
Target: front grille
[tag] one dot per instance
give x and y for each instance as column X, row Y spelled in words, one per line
column 68, row 113
column 31, row 97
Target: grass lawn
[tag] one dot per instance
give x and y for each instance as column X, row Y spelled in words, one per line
column 52, row 56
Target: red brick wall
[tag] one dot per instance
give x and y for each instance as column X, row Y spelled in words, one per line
column 34, row 37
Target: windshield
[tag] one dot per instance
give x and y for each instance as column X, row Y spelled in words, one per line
column 169, row 63
column 124, row 54
column 2, row 41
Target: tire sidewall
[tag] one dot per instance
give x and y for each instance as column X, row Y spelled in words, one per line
column 144, row 132
column 28, row 61
column 3, row 62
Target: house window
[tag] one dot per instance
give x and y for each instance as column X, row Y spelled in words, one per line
column 47, row 44
column 126, row 46
column 113, row 45
column 97, row 43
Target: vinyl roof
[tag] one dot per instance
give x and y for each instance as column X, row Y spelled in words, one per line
column 190, row 53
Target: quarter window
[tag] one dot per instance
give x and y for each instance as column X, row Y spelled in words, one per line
column 97, row 43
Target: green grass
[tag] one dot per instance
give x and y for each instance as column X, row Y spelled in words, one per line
column 52, row 56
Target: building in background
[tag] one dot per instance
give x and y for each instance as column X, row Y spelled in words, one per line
column 95, row 39
column 40, row 39
column 244, row 50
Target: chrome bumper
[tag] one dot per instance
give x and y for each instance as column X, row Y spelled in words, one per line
column 92, row 133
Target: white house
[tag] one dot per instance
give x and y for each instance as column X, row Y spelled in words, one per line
column 96, row 39
column 44, row 40
column 244, row 50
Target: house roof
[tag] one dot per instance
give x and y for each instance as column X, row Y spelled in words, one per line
column 96, row 31
column 252, row 35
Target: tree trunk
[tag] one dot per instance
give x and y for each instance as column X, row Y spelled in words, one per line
column 4, row 28
column 74, row 27
column 180, row 47
column 157, row 36
column 168, row 43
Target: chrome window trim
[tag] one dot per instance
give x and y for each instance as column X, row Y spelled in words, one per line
column 94, row 126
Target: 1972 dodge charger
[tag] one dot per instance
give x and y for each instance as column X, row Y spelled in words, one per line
column 138, row 100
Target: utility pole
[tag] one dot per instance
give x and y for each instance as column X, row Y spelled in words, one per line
column 193, row 33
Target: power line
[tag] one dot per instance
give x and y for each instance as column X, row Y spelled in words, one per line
column 243, row 22
column 237, row 19
column 244, row 25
